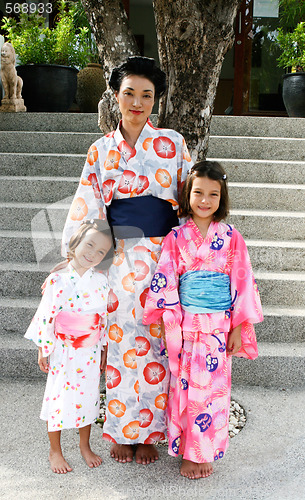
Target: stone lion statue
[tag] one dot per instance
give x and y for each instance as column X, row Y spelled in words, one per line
column 11, row 82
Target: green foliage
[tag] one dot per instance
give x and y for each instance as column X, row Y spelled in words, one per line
column 292, row 45
column 67, row 43
column 292, row 12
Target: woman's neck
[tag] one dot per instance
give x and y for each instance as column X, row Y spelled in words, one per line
column 131, row 133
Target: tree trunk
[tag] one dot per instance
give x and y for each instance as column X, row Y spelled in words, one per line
column 193, row 38
column 115, row 43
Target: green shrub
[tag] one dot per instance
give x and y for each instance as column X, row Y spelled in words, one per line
column 292, row 45
column 65, row 44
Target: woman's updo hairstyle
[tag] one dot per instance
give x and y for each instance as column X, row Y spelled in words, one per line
column 141, row 66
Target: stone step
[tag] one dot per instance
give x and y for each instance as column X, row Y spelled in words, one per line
column 70, row 165
column 220, row 125
column 41, row 247
column 42, row 164
column 258, row 224
column 242, row 194
column 280, row 324
column 261, row 126
column 261, row 148
column 46, row 142
column 37, row 189
column 273, row 171
column 269, row 225
column 50, row 122
column 276, row 289
column 269, row 148
column 277, row 366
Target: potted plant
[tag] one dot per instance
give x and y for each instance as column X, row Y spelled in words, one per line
column 292, row 45
column 90, row 79
column 49, row 58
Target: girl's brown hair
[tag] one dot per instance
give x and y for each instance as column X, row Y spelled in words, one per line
column 100, row 225
column 214, row 171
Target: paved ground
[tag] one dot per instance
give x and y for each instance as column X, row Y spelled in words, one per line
column 265, row 461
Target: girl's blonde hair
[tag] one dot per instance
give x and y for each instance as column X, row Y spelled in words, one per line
column 99, row 225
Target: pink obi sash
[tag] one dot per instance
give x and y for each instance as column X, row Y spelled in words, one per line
column 77, row 330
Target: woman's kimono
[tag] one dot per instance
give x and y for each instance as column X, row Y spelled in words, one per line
column 199, row 399
column 137, row 375
column 70, row 327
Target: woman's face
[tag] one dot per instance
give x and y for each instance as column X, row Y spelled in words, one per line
column 136, row 98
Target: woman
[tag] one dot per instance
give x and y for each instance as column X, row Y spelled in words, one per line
column 132, row 176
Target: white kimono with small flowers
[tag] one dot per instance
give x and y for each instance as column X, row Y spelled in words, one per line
column 70, row 301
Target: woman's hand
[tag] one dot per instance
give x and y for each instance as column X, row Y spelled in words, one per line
column 43, row 362
column 104, row 359
column 234, row 341
column 59, row 266
column 163, row 337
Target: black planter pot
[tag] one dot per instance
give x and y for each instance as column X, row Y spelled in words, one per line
column 294, row 94
column 48, row 87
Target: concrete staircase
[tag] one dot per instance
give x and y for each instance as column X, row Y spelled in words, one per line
column 41, row 158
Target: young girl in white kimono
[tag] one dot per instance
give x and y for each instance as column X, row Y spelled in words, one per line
column 69, row 330
column 204, row 294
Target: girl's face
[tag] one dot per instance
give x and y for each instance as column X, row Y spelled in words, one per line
column 204, row 199
column 136, row 98
column 90, row 251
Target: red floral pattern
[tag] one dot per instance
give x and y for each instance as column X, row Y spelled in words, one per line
column 154, row 373
column 164, row 147
column 113, row 377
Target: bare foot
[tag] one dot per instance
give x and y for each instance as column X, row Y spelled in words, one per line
column 146, row 454
column 189, row 469
column 91, row 459
column 58, row 463
column 205, row 469
column 122, row 453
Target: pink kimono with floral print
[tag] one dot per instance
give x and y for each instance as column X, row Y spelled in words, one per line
column 199, row 399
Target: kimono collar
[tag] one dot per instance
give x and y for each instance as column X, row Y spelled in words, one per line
column 73, row 274
column 119, row 139
column 199, row 238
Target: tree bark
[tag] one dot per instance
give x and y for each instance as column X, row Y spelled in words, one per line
column 193, row 38
column 115, row 43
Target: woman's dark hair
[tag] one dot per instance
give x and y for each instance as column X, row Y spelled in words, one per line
column 141, row 66
column 103, row 227
column 214, row 171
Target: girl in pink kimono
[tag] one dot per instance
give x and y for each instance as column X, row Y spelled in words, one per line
column 69, row 330
column 204, row 295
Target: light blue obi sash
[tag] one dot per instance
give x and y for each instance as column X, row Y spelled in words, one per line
column 204, row 292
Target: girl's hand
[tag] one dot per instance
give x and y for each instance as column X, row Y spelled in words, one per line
column 104, row 359
column 43, row 362
column 234, row 341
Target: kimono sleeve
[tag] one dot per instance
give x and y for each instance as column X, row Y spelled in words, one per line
column 163, row 300
column 246, row 306
column 102, row 311
column 41, row 329
column 88, row 202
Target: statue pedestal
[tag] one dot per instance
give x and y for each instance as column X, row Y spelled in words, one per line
column 12, row 106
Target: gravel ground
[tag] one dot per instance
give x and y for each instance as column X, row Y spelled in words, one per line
column 237, row 418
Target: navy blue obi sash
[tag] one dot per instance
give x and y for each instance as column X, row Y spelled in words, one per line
column 204, row 292
column 142, row 215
